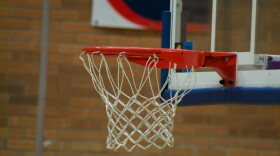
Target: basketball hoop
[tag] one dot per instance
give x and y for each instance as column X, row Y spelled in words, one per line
column 136, row 119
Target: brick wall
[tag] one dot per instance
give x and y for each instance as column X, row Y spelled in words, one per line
column 75, row 117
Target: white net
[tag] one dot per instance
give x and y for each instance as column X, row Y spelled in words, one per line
column 138, row 116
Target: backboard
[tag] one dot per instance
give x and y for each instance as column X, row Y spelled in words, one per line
column 211, row 26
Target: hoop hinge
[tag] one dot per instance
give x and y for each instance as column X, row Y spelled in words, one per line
column 224, row 63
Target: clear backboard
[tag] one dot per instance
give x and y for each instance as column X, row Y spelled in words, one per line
column 226, row 26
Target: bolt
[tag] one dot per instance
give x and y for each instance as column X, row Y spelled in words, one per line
column 222, row 82
column 226, row 59
column 230, row 81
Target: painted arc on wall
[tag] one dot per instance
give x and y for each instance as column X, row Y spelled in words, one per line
column 135, row 14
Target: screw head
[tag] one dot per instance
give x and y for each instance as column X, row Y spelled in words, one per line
column 230, row 81
column 222, row 82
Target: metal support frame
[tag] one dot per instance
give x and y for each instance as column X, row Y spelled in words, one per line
column 213, row 25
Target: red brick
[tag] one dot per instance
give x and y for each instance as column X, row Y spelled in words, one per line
column 82, row 135
column 277, row 124
column 49, row 111
column 93, row 40
column 196, row 118
column 242, row 110
column 58, row 37
column 269, row 111
column 214, row 109
column 14, row 23
column 211, row 152
column 101, row 114
column 35, row 25
column 52, row 69
column 270, row 153
column 21, row 122
column 64, row 15
column 55, row 4
column 194, row 140
column 242, row 46
column 178, row 118
column 230, row 142
column 57, row 123
column 87, row 103
column 30, row 58
column 23, row 100
column 57, row 102
column 44, row 153
column 30, row 133
column 150, row 41
column 226, row 120
column 71, row 69
column 70, row 49
column 180, row 151
column 260, row 143
column 55, row 27
column 11, row 88
column 269, row 133
column 30, row 36
column 88, row 124
column 12, row 110
column 19, row 46
column 200, row 41
column 3, row 100
column 6, row 35
column 87, row 146
column 58, row 145
column 23, row 78
column 184, row 110
column 64, row 80
column 184, row 129
column 80, row 27
column 120, row 40
column 31, row 90
column 2, row 145
column 242, row 153
column 3, row 122
column 249, row 132
column 75, row 92
column 48, row 134
column 53, row 48
column 15, row 3
column 210, row 130
column 52, row 90
column 82, row 81
column 20, row 144
column 258, row 122
column 71, row 153
column 62, row 59
column 26, row 13
column 84, row 15
column 150, row 151
column 233, row 131
column 72, row 4
column 4, row 132
column 9, row 132
column 10, row 153
column 74, row 113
